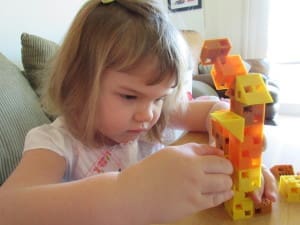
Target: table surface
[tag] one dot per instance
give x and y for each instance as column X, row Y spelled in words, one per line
column 283, row 213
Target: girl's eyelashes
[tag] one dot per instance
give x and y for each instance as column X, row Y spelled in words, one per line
column 128, row 97
column 134, row 97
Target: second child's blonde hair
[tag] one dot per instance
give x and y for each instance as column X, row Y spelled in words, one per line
column 117, row 35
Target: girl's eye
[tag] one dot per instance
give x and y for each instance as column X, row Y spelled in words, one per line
column 129, row 97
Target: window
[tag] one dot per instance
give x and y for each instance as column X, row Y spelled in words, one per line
column 284, row 52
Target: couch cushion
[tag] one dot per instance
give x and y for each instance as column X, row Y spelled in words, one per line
column 194, row 41
column 19, row 112
column 36, row 53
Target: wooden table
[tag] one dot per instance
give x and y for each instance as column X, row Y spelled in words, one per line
column 283, row 213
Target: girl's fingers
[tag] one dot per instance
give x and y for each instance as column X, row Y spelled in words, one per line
column 270, row 190
column 216, row 165
column 217, row 183
column 215, row 199
column 206, row 150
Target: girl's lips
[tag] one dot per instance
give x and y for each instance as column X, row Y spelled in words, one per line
column 137, row 131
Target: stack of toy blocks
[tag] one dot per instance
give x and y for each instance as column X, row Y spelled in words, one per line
column 239, row 131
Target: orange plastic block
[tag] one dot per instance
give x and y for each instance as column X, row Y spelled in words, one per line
column 225, row 71
column 253, row 114
column 212, row 49
column 264, row 207
column 245, row 155
column 255, row 131
column 232, row 122
column 289, row 187
column 279, row 170
column 221, row 137
column 251, row 90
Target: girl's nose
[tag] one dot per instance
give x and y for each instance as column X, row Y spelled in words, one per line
column 144, row 114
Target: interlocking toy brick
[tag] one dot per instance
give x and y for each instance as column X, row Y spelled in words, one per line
column 246, row 154
column 253, row 114
column 247, row 180
column 289, row 187
column 240, row 206
column 231, row 121
column 284, row 169
column 264, row 207
column 251, row 90
column 225, row 70
column 212, row 49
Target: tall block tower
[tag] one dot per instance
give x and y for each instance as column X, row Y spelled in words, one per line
column 238, row 131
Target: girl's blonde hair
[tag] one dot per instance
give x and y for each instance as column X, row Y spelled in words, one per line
column 115, row 35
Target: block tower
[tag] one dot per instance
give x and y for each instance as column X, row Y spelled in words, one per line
column 239, row 131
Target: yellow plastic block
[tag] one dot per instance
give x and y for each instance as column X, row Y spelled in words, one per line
column 212, row 49
column 240, row 206
column 247, row 180
column 251, row 90
column 232, row 122
column 225, row 70
column 289, row 187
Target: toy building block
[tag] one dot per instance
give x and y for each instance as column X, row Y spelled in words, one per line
column 251, row 90
column 247, row 180
column 253, row 114
column 233, row 123
column 221, row 137
column 264, row 207
column 284, row 169
column 224, row 72
column 240, row 206
column 255, row 131
column 246, row 154
column 213, row 49
column 289, row 187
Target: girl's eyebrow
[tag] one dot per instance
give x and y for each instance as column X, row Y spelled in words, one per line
column 130, row 90
column 167, row 92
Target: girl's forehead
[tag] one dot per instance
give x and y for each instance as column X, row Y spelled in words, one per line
column 149, row 70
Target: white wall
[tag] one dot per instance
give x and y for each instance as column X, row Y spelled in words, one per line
column 47, row 18
column 51, row 18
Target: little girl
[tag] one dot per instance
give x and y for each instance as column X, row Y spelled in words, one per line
column 116, row 87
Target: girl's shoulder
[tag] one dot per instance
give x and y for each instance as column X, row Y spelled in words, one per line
column 54, row 136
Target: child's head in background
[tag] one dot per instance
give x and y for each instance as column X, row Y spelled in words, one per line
column 106, row 40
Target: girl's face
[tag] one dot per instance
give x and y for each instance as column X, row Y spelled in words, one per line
column 128, row 106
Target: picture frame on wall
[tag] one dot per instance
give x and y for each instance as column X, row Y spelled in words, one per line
column 183, row 5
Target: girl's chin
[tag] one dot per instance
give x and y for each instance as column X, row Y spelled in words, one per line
column 124, row 139
column 116, row 141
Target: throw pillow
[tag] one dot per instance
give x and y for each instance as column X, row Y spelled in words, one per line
column 19, row 112
column 36, row 54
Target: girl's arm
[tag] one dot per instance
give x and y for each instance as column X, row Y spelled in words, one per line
column 197, row 115
column 34, row 195
column 198, row 178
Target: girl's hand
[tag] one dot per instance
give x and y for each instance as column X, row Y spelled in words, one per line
column 268, row 188
column 178, row 181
